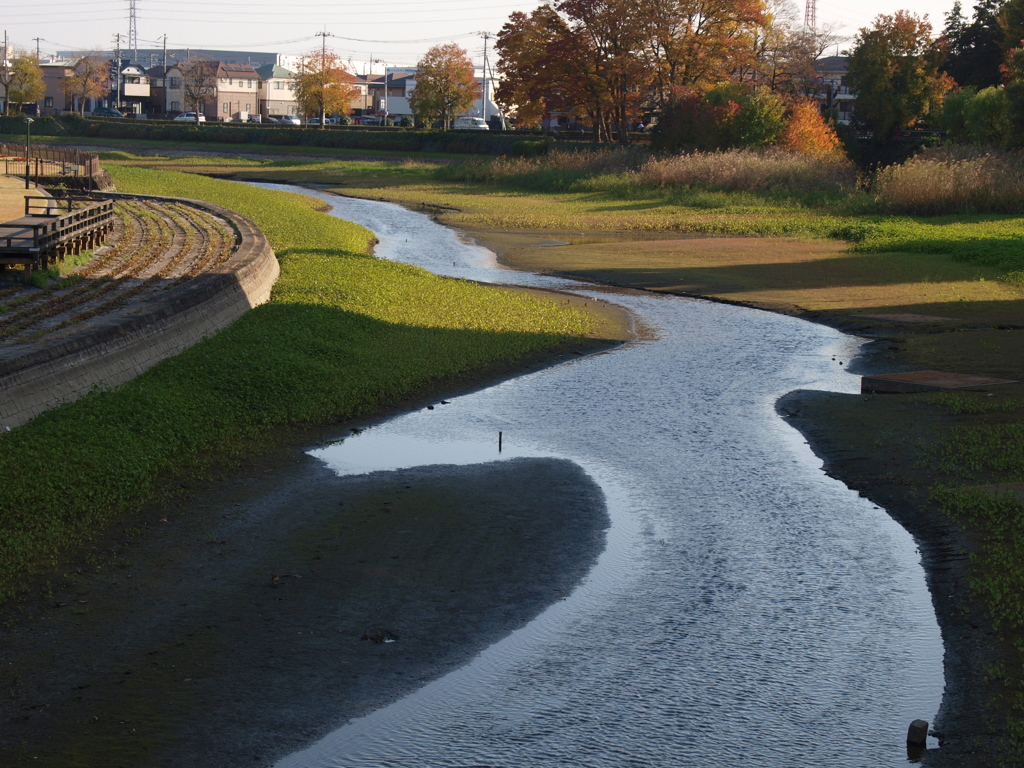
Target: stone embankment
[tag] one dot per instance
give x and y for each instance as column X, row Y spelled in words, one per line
column 173, row 272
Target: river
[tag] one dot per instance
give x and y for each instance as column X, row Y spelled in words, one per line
column 748, row 609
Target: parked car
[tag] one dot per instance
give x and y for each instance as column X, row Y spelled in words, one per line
column 327, row 121
column 290, row 120
column 190, row 116
column 470, row 124
column 107, row 112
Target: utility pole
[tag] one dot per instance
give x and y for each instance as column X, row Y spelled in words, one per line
column 323, row 72
column 385, row 121
column 487, row 36
column 117, row 71
column 165, row 54
column 3, row 66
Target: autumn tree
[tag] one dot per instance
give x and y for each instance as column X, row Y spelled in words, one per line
column 89, row 79
column 809, row 134
column 700, row 43
column 324, row 86
column 894, row 68
column 198, row 85
column 532, row 78
column 22, row 79
column 446, row 85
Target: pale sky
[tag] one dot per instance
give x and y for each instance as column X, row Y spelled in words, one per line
column 397, row 32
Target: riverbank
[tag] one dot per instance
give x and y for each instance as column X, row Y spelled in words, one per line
column 905, row 441
column 200, row 641
column 886, row 447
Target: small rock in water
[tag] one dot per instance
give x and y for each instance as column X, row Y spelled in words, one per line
column 917, row 734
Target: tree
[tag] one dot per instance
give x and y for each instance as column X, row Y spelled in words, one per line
column 974, row 50
column 89, row 79
column 700, row 43
column 808, row 133
column 21, row 79
column 198, row 85
column 445, row 85
column 324, row 86
column 894, row 68
column 530, row 76
column 614, row 35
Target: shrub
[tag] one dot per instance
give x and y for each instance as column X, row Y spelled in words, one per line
column 752, row 170
column 809, row 134
column 953, row 180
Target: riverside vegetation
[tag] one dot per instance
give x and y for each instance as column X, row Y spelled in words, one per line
column 941, row 234
column 345, row 335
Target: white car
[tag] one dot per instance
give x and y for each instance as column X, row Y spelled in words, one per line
column 290, row 120
column 466, row 123
column 190, row 117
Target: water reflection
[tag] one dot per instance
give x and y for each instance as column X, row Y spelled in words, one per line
column 748, row 610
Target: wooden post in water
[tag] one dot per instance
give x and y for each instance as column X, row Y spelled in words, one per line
column 499, row 442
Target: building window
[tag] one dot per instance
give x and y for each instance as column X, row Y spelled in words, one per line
column 278, row 85
column 248, row 83
column 175, row 106
column 248, row 107
column 175, row 82
column 48, row 101
column 226, row 107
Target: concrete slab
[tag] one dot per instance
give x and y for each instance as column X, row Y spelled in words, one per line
column 924, row 381
column 12, row 197
column 908, row 318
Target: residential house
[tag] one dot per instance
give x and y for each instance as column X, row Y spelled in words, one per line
column 157, row 104
column 831, row 90
column 238, row 92
column 55, row 99
column 401, row 82
column 276, row 92
column 174, row 92
column 134, row 96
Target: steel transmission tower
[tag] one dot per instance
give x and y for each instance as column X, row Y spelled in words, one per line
column 133, row 31
column 810, row 15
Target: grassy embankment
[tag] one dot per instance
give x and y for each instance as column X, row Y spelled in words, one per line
column 835, row 254
column 345, row 336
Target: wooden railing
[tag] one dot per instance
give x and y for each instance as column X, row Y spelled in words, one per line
column 44, row 233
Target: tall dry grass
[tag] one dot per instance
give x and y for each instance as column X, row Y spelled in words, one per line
column 955, row 179
column 768, row 170
column 557, row 170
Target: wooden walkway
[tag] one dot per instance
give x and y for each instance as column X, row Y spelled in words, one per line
column 43, row 232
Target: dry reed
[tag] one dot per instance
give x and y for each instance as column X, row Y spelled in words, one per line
column 770, row 170
column 953, row 180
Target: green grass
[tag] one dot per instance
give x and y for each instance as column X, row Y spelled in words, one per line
column 345, row 335
column 572, row 200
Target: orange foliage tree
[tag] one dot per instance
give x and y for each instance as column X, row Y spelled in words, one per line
column 808, row 133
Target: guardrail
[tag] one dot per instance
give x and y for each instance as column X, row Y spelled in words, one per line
column 48, row 161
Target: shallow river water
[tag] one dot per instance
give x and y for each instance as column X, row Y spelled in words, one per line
column 748, row 610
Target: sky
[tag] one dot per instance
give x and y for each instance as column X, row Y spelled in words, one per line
column 396, row 32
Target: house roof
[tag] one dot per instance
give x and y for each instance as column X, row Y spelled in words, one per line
column 235, row 70
column 269, row 71
column 832, row 64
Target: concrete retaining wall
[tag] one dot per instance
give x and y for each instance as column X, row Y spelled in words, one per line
column 118, row 348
